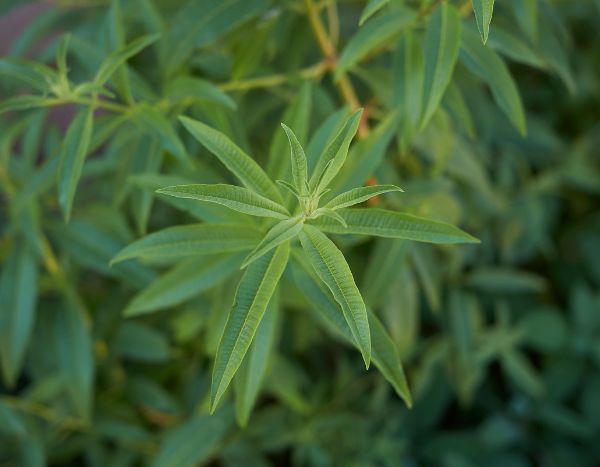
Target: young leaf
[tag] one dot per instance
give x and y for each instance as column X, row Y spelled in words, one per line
column 251, row 374
column 191, row 88
column 234, row 197
column 34, row 74
column 251, row 299
column 331, row 267
column 370, row 9
column 184, row 281
column 299, row 164
column 486, row 64
column 237, row 161
column 329, row 213
column 61, row 55
column 281, row 232
column 483, row 10
column 72, row 157
column 18, row 297
column 375, row 34
column 359, row 195
column 442, row 41
column 334, row 155
column 391, row 224
column 196, row 239
column 23, row 103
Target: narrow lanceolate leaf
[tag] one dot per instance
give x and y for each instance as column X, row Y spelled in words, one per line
column 486, row 63
column 250, row 377
column 237, row 161
column 326, row 309
column 234, row 197
column 18, row 296
column 190, row 89
column 334, row 155
column 299, row 164
column 188, row 240
column 23, row 103
column 329, row 213
column 117, row 58
column 281, row 232
column 483, row 15
column 442, row 42
column 72, row 157
column 186, row 280
column 375, row 34
column 251, row 299
column 391, row 224
column 331, row 267
column 359, row 195
column 372, row 7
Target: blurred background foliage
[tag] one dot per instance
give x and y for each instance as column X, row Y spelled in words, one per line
column 500, row 341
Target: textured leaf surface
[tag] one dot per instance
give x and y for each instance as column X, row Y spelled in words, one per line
column 281, row 232
column 331, row 267
column 234, row 197
column 391, row 224
column 195, row 239
column 251, row 299
column 299, row 164
column 359, row 195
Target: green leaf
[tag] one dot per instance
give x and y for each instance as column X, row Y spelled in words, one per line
column 18, row 297
column 189, row 88
column 237, row 161
column 483, row 15
column 334, row 155
column 299, row 163
column 139, row 342
column 325, row 307
column 23, row 103
column 281, row 232
column 391, row 224
column 370, row 9
column 119, row 57
column 331, row 267
column 377, row 33
column 359, row 195
column 61, row 55
column 196, row 239
column 249, row 378
column 251, row 299
column 329, row 213
column 234, row 197
column 442, row 41
column 486, row 64
column 36, row 75
column 72, row 156
column 186, row 280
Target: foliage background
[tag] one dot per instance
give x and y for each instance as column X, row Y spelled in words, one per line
column 500, row 341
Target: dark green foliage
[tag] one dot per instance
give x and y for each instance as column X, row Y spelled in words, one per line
column 215, row 214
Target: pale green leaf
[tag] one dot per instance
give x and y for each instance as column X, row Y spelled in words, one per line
column 391, row 224
column 331, row 267
column 375, row 34
column 281, row 232
column 186, row 280
column 483, row 15
column 486, row 63
column 61, row 55
column 359, row 195
column 72, row 156
column 195, row 239
column 442, row 41
column 251, row 299
column 328, row 213
column 237, row 161
column 299, row 163
column 234, row 197
column 370, row 9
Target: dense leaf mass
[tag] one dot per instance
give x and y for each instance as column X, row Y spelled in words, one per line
column 300, row 233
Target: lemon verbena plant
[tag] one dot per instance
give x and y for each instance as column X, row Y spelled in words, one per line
column 311, row 209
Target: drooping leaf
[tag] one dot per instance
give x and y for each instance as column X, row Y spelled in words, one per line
column 72, row 157
column 374, row 34
column 18, row 297
column 483, row 15
column 442, row 42
column 391, row 224
column 195, row 239
column 486, row 64
column 331, row 267
column 251, row 299
column 237, row 161
column 281, row 232
column 234, row 197
column 359, row 195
